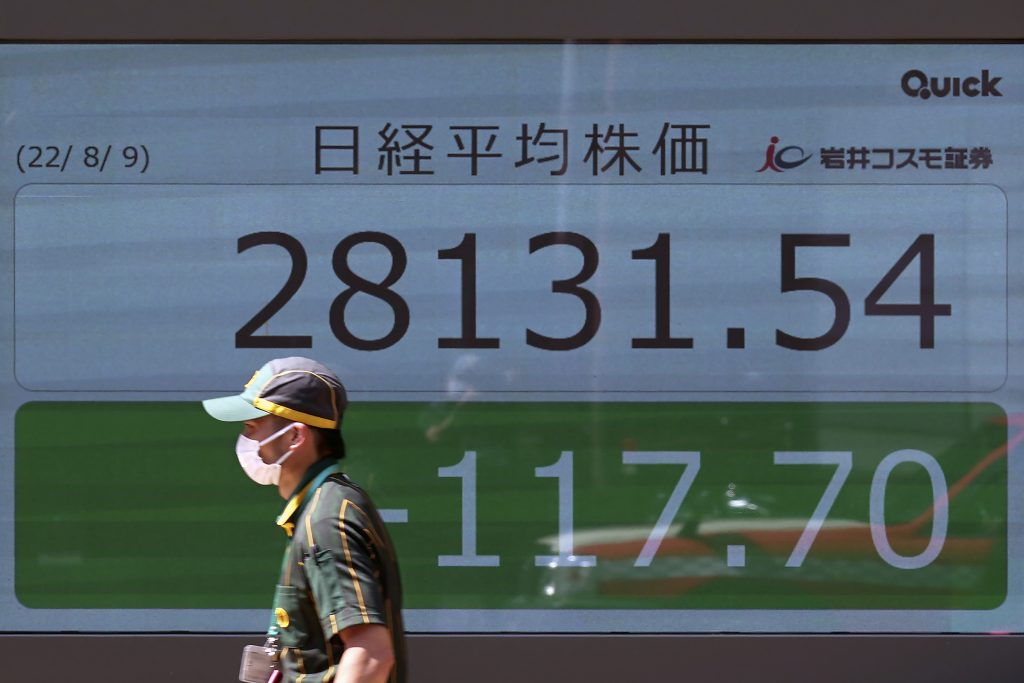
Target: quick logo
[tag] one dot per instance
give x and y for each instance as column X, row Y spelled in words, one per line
column 917, row 83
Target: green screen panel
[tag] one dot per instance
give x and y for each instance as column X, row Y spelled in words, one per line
column 537, row 505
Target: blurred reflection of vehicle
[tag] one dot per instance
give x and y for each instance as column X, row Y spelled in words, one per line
column 727, row 538
column 460, row 388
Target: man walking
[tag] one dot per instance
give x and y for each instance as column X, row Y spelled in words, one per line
column 337, row 609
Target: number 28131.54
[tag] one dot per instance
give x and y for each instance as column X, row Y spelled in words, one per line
column 921, row 249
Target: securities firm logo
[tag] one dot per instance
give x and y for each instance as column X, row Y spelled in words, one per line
column 783, row 159
column 917, row 83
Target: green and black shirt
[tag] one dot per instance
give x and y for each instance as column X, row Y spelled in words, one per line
column 339, row 570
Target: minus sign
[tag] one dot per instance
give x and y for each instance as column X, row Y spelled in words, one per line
column 395, row 516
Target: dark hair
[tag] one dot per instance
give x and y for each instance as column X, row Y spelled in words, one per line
column 330, row 443
column 328, row 439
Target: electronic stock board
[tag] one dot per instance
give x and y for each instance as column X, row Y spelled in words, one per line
column 637, row 338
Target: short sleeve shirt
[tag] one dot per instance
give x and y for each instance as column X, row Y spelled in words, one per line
column 339, row 570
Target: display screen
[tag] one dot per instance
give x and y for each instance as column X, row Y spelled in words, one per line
column 637, row 338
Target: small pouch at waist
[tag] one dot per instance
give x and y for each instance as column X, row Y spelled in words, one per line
column 259, row 664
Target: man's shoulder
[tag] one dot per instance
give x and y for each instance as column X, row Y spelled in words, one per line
column 339, row 491
column 338, row 504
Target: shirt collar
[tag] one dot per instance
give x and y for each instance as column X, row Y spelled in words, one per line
column 297, row 501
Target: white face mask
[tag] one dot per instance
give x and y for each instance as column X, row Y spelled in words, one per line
column 248, row 452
